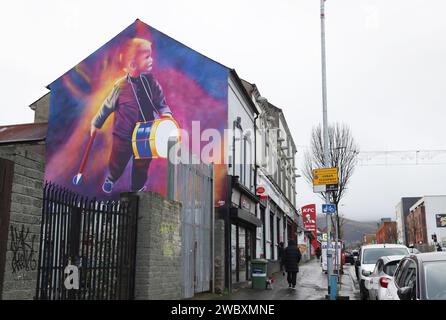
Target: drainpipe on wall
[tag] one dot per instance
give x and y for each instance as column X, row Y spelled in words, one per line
column 228, row 253
column 228, row 275
column 233, row 148
column 213, row 228
column 255, row 176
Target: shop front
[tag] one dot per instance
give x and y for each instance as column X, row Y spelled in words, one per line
column 243, row 236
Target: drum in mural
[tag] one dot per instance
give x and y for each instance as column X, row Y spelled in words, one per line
column 150, row 138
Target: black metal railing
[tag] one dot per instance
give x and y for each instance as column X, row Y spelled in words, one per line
column 98, row 238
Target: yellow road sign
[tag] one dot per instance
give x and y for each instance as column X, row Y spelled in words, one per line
column 325, row 176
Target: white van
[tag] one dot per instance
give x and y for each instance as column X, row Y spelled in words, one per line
column 368, row 255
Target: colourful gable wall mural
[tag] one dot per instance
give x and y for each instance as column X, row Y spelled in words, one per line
column 110, row 116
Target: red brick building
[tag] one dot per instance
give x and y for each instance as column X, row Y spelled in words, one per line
column 416, row 226
column 387, row 232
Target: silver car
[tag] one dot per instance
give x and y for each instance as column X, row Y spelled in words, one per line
column 381, row 276
column 368, row 256
column 420, row 277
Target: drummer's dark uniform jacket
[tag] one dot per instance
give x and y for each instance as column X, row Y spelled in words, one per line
column 123, row 103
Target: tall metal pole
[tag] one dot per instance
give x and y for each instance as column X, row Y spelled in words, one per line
column 326, row 151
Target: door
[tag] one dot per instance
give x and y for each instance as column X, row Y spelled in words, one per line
column 393, row 286
column 6, row 172
column 242, row 254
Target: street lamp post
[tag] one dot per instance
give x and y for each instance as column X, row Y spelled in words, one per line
column 326, row 151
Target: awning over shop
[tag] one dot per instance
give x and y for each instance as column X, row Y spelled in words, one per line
column 245, row 216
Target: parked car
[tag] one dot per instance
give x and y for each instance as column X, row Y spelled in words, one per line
column 381, row 276
column 414, row 250
column 368, row 255
column 420, row 277
column 355, row 254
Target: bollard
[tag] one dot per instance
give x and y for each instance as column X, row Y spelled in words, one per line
column 333, row 286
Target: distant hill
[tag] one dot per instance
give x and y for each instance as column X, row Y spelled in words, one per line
column 353, row 230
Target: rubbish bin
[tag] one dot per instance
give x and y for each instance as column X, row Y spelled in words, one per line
column 258, row 273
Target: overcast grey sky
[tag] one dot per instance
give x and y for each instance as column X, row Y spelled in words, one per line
column 385, row 72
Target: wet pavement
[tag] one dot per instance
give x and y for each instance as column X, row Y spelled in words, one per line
column 311, row 285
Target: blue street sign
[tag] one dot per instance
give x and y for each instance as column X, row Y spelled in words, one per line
column 328, row 208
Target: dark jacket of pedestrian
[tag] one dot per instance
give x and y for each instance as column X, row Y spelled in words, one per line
column 291, row 257
column 318, row 252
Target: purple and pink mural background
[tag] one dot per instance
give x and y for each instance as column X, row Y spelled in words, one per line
column 195, row 87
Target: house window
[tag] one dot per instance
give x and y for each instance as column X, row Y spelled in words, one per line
column 279, row 174
column 237, row 156
column 247, row 162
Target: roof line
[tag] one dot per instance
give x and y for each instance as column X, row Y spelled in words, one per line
column 33, row 103
column 21, row 141
column 137, row 20
column 24, row 124
column 243, row 89
column 184, row 44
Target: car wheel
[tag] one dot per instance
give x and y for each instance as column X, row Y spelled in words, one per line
column 362, row 294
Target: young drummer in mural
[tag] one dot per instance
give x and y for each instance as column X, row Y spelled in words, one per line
column 134, row 98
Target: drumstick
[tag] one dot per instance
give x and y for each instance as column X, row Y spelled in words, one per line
column 77, row 179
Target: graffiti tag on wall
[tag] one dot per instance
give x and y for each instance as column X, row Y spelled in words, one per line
column 167, row 230
column 22, row 247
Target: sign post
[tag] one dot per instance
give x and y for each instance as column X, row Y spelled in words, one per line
column 326, row 180
column 325, row 132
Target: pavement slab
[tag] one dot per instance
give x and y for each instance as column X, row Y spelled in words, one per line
column 311, row 285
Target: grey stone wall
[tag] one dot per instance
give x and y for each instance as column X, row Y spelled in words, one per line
column 158, row 252
column 24, row 226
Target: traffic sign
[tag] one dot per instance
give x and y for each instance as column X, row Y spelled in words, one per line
column 325, row 176
column 331, row 187
column 325, row 187
column 261, row 192
column 329, row 208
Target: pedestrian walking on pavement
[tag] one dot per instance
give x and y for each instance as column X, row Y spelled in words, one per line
column 318, row 253
column 291, row 258
column 281, row 252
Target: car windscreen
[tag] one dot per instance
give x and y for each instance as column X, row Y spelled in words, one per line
column 373, row 254
column 434, row 273
column 391, row 267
